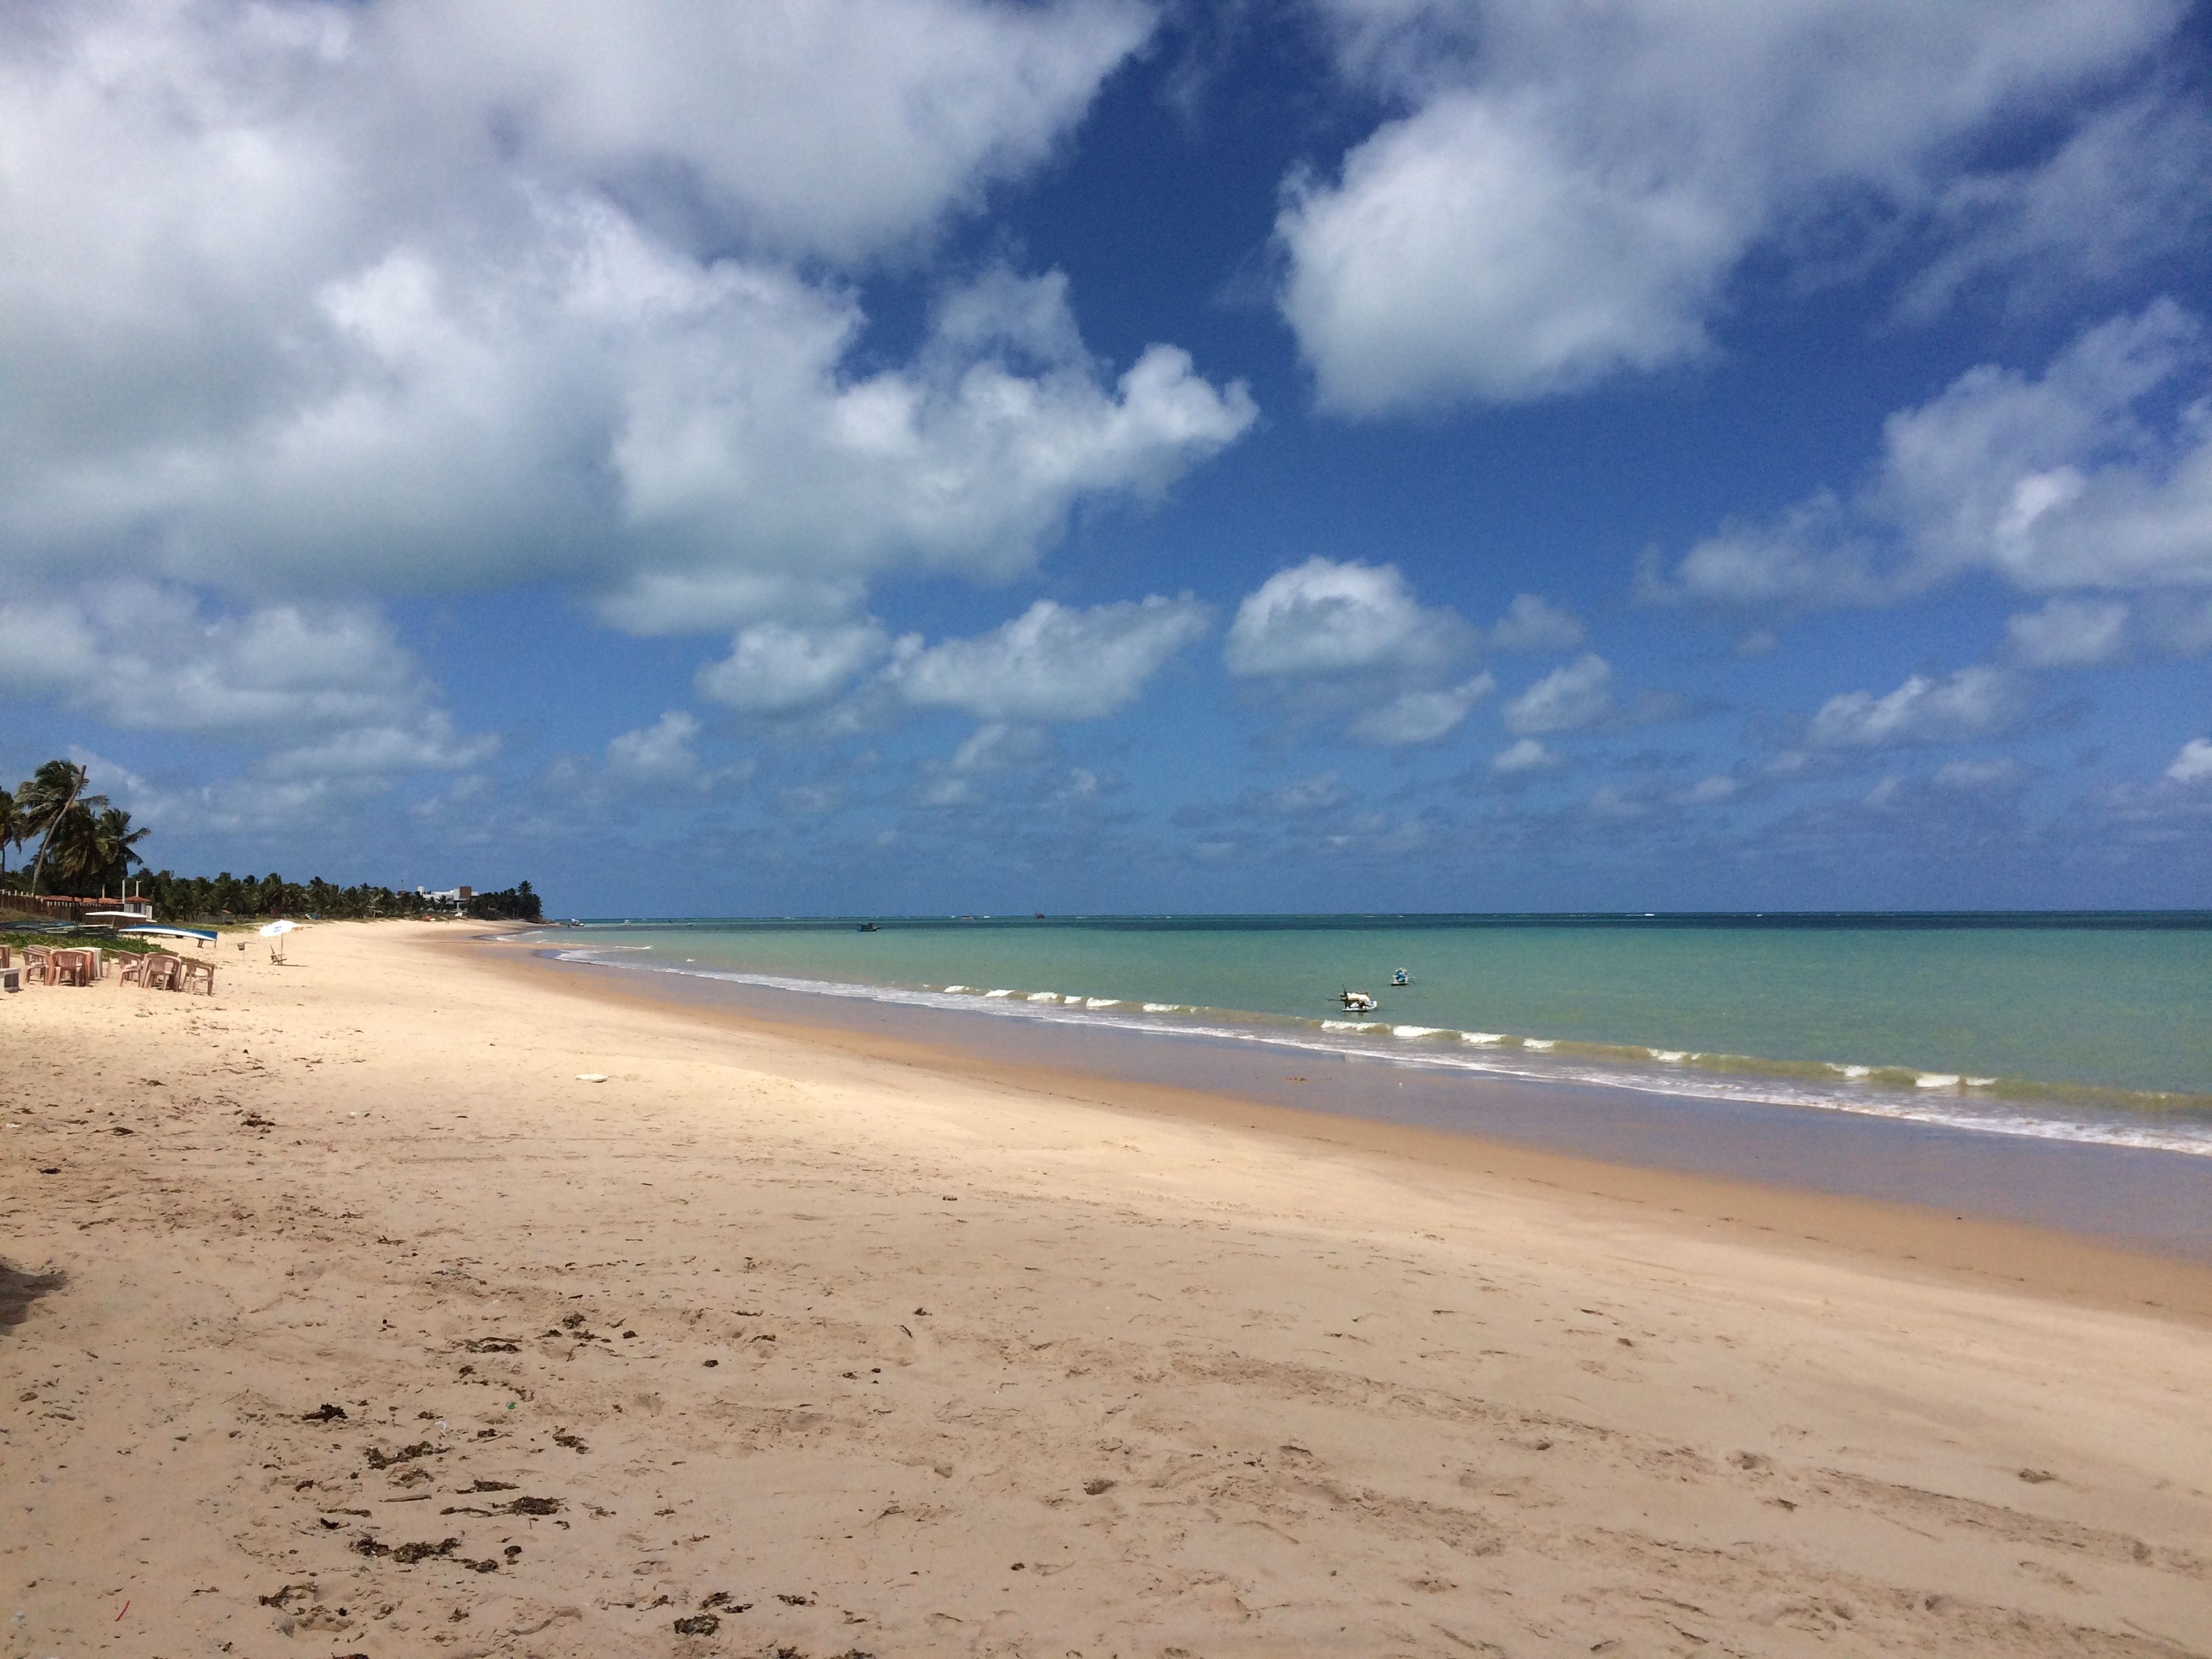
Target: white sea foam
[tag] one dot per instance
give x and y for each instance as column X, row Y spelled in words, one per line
column 1042, row 996
column 1354, row 1025
column 1540, row 1044
column 1672, row 1056
column 1851, row 1071
column 1979, row 1082
column 958, row 990
column 1100, row 1002
column 997, row 993
column 1936, row 1080
column 1482, row 1039
column 1164, row 1007
column 1417, row 1030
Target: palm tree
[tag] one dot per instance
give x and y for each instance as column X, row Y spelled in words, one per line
column 81, row 854
column 11, row 830
column 111, row 844
column 44, row 802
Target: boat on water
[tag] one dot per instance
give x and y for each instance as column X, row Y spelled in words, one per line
column 1401, row 977
column 868, row 927
column 1358, row 1002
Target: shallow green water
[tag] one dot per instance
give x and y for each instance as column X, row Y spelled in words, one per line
column 2009, row 1009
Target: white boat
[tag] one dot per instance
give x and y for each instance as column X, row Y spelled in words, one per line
column 1358, row 1002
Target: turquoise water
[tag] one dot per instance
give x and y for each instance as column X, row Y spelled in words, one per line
column 2076, row 1027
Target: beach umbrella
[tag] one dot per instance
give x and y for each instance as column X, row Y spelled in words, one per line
column 276, row 930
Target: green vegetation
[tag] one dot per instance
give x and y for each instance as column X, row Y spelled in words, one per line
column 88, row 846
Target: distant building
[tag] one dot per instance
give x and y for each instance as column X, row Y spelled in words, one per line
column 452, row 896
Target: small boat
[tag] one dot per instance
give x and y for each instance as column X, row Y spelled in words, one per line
column 1401, row 977
column 205, row 936
column 1358, row 1002
column 868, row 927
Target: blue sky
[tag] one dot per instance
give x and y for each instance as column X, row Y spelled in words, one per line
column 926, row 455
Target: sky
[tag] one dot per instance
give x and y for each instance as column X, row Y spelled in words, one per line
column 935, row 456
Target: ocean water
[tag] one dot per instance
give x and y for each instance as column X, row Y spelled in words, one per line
column 2072, row 1027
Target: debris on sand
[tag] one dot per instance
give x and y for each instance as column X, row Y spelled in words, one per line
column 574, row 1442
column 326, row 1412
column 406, row 1554
column 384, row 1460
column 531, row 1506
column 698, row 1624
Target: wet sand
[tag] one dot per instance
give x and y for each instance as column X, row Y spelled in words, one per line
column 2156, row 1202
column 379, row 1332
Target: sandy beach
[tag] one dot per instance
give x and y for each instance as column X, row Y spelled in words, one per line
column 341, row 1317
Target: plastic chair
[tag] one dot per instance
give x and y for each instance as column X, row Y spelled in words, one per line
column 199, row 978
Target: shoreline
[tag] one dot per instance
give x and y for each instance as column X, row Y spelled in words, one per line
column 410, row 1298
column 2038, row 1260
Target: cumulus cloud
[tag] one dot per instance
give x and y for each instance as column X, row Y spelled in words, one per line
column 1573, row 696
column 1053, row 662
column 996, row 746
column 1349, row 640
column 660, row 753
column 1525, row 755
column 2129, row 185
column 830, row 130
column 2193, row 765
column 1531, row 625
column 1328, row 617
column 2068, row 633
column 330, row 687
column 1570, row 189
column 2069, row 479
column 340, row 297
column 1414, row 717
column 1972, row 703
column 774, row 668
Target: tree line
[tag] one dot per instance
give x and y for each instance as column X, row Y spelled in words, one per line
column 88, row 845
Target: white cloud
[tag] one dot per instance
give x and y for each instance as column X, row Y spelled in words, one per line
column 1527, row 755
column 655, row 602
column 331, row 687
column 1575, row 695
column 660, row 753
column 1571, row 188
column 773, row 668
column 998, row 747
column 1052, row 662
column 428, row 742
column 1531, row 625
column 1972, row 703
column 2193, row 764
column 829, row 129
column 336, row 297
column 1414, row 717
column 2068, row 633
column 2132, row 184
column 1327, row 617
column 2066, row 480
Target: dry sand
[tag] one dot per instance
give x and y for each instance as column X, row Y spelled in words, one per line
column 825, row 1351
